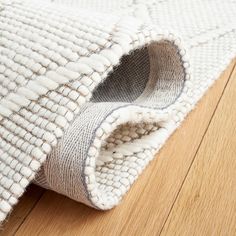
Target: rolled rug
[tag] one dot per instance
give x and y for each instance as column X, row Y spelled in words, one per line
column 91, row 90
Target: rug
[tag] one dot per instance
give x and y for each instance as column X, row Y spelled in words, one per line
column 90, row 90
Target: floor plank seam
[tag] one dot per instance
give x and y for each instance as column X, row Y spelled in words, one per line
column 195, row 154
column 26, row 216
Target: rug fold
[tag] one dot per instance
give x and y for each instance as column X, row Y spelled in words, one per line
column 53, row 59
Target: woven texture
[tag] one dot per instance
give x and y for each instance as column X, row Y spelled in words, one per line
column 90, row 90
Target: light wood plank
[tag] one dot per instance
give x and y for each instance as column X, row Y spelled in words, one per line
column 207, row 202
column 146, row 207
column 26, row 204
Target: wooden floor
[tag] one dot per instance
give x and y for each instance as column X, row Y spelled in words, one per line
column 189, row 189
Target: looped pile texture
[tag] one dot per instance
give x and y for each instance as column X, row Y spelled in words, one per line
column 90, row 90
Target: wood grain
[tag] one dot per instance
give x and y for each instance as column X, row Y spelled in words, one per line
column 206, row 204
column 147, row 206
column 20, row 212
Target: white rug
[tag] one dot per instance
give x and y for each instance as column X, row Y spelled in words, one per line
column 90, row 90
